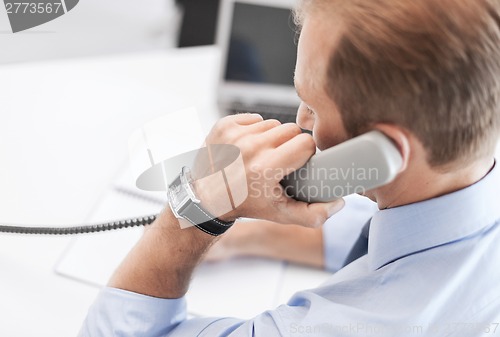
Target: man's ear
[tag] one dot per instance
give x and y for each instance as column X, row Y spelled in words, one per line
column 400, row 138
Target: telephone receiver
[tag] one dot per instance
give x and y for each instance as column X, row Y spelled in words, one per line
column 355, row 166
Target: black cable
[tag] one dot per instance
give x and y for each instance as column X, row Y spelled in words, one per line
column 101, row 227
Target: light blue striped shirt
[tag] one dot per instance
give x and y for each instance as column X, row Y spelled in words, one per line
column 432, row 269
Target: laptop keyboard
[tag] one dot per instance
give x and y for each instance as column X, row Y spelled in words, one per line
column 285, row 114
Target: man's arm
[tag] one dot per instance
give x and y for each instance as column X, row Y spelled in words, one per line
column 267, row 239
column 161, row 264
column 326, row 247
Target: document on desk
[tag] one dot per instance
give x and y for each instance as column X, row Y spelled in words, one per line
column 239, row 287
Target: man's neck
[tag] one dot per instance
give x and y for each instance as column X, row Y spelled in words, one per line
column 421, row 182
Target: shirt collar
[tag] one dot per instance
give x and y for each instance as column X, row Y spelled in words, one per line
column 400, row 231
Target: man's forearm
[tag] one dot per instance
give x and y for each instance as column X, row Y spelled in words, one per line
column 283, row 242
column 163, row 260
column 294, row 244
column 267, row 239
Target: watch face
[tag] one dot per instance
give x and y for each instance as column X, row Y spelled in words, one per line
column 178, row 198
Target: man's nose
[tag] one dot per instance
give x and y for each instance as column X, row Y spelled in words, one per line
column 305, row 120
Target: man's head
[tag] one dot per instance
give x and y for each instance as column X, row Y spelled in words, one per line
column 430, row 68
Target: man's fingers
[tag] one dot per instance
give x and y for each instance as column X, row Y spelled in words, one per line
column 292, row 154
column 311, row 215
column 280, row 134
column 245, row 118
column 263, row 126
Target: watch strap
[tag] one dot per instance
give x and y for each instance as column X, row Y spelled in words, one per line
column 204, row 221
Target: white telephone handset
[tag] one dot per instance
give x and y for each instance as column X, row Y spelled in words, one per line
column 355, row 166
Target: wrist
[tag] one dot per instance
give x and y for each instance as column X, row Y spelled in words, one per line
column 214, row 201
column 169, row 226
column 185, row 204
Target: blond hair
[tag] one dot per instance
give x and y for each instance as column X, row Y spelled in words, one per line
column 431, row 66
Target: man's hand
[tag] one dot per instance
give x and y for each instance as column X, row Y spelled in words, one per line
column 162, row 262
column 270, row 151
column 261, row 238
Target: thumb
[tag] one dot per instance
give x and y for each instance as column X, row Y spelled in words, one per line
column 312, row 215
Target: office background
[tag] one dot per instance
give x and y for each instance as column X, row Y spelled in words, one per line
column 117, row 26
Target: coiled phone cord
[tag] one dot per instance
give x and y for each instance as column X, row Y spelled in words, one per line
column 100, row 227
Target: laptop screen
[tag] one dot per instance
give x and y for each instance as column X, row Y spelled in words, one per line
column 262, row 46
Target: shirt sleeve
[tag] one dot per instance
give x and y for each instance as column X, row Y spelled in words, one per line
column 343, row 228
column 121, row 313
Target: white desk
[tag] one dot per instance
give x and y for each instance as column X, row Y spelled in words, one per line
column 64, row 128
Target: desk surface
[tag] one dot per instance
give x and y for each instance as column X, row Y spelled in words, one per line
column 64, row 128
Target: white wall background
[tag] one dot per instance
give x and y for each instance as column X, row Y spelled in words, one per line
column 93, row 27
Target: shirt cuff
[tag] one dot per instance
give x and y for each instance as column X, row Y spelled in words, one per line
column 119, row 312
column 341, row 231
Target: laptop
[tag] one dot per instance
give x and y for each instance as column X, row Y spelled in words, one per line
column 258, row 43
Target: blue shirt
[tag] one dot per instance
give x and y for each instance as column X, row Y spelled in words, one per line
column 432, row 269
column 341, row 231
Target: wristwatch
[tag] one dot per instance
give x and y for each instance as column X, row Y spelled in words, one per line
column 185, row 205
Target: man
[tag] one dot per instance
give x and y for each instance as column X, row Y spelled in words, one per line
column 426, row 73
